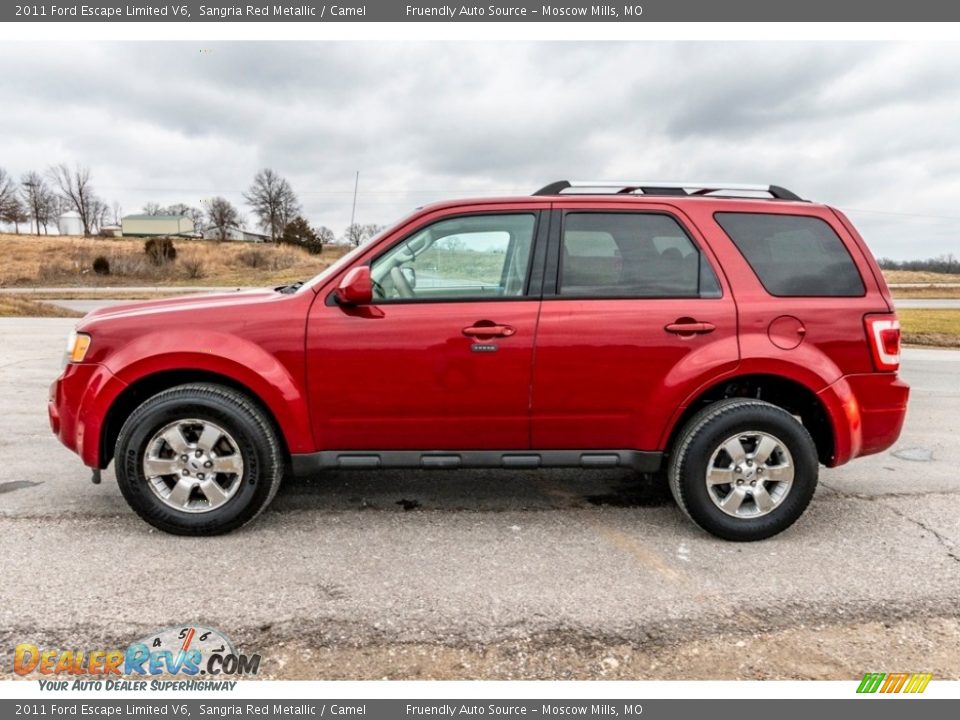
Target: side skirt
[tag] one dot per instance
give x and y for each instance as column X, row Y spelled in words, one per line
column 311, row 463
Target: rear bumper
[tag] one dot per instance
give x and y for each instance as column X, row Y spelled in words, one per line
column 867, row 413
column 76, row 408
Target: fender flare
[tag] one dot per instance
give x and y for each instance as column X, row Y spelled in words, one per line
column 835, row 395
column 261, row 374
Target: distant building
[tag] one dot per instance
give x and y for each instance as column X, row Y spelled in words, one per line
column 152, row 225
column 234, row 233
column 111, row 231
column 70, row 224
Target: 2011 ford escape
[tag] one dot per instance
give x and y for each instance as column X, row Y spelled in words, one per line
column 730, row 337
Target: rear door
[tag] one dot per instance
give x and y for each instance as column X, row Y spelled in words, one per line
column 635, row 315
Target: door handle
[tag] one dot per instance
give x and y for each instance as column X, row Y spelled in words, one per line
column 491, row 330
column 685, row 326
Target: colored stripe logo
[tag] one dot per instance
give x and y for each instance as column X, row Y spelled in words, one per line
column 894, row 682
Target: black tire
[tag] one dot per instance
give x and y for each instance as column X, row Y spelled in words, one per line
column 704, row 434
column 233, row 411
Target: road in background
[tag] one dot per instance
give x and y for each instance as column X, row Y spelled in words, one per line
column 494, row 573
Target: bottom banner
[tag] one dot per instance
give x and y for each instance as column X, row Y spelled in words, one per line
column 875, row 709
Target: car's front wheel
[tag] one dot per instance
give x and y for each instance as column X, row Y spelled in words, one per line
column 198, row 459
column 743, row 469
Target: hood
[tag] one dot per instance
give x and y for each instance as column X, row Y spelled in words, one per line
column 148, row 308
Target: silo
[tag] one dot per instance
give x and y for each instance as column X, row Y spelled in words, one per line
column 70, row 224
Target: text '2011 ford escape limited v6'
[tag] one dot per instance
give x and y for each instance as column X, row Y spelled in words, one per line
column 730, row 337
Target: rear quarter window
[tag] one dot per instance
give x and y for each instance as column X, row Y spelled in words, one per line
column 794, row 255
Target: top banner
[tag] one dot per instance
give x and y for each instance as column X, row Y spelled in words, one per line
column 509, row 11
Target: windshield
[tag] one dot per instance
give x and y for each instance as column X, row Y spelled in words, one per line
column 318, row 280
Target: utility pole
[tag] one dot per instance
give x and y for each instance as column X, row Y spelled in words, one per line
column 353, row 211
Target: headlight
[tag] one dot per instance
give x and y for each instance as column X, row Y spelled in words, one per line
column 77, row 346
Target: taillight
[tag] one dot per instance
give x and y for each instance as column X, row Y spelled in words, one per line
column 883, row 335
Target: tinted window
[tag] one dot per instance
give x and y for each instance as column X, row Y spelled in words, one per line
column 480, row 256
column 794, row 255
column 631, row 255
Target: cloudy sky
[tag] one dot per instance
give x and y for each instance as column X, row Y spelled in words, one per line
column 871, row 128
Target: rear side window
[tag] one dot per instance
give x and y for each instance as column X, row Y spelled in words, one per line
column 631, row 255
column 794, row 255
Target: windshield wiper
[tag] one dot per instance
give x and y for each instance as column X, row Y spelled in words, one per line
column 290, row 289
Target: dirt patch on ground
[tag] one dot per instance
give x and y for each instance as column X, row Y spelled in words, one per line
column 816, row 652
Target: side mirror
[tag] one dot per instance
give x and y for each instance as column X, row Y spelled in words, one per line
column 356, row 288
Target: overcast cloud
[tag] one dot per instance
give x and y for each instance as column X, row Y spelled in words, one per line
column 871, row 128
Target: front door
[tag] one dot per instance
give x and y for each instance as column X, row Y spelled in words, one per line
column 441, row 360
column 637, row 315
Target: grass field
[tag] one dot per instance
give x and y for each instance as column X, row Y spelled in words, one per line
column 940, row 328
column 20, row 306
column 926, row 293
column 916, row 276
column 55, row 261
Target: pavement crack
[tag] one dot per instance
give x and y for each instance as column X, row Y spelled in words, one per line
column 884, row 496
column 947, row 543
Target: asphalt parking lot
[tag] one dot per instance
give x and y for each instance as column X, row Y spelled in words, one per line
column 494, row 573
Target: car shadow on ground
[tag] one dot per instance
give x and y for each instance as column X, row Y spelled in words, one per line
column 471, row 490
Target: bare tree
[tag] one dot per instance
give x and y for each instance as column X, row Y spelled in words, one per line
column 221, row 216
column 195, row 214
column 8, row 198
column 354, row 234
column 100, row 214
column 18, row 215
column 326, row 235
column 358, row 234
column 273, row 202
column 152, row 208
column 371, row 231
column 39, row 201
column 117, row 213
column 75, row 188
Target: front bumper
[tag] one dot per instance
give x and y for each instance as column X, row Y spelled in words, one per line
column 77, row 406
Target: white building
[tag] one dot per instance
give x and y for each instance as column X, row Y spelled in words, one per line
column 156, row 225
column 70, row 223
column 234, row 233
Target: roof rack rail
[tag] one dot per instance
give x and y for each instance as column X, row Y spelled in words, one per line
column 630, row 187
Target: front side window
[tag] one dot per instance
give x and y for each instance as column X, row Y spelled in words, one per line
column 631, row 255
column 472, row 257
column 794, row 255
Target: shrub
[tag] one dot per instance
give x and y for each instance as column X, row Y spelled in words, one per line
column 299, row 233
column 195, row 268
column 160, row 250
column 52, row 270
column 101, row 266
column 253, row 258
column 130, row 265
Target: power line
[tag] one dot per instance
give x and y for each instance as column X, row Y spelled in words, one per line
column 901, row 214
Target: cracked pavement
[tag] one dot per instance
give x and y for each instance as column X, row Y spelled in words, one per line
column 475, row 564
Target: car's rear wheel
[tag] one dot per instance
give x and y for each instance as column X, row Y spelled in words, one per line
column 198, row 459
column 743, row 469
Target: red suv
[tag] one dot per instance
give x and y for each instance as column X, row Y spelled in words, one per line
column 729, row 337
